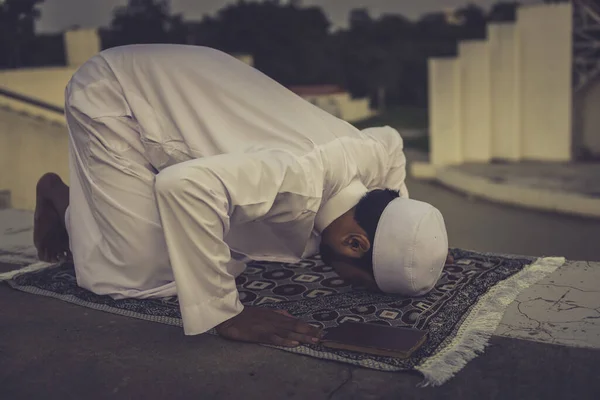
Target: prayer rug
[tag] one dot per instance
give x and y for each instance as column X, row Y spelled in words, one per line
column 460, row 314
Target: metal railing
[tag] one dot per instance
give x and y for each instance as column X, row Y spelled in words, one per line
column 586, row 42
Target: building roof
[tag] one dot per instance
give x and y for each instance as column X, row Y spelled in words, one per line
column 316, row 90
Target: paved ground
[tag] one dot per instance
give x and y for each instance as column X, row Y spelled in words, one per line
column 53, row 350
column 50, row 349
column 581, row 178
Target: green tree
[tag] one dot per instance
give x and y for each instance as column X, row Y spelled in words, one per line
column 474, row 22
column 503, row 12
column 17, row 30
column 145, row 21
column 386, row 58
column 288, row 42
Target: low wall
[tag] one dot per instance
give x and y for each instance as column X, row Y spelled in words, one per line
column 29, row 147
column 342, row 106
column 43, row 84
column 357, row 110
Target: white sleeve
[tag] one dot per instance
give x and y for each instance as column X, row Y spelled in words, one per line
column 382, row 163
column 196, row 200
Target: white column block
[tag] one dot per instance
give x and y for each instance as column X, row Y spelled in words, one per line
column 444, row 111
column 475, row 101
column 545, row 62
column 504, row 78
column 81, row 45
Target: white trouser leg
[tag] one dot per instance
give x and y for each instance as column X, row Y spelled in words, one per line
column 116, row 236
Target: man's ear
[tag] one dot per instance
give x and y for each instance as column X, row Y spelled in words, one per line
column 356, row 245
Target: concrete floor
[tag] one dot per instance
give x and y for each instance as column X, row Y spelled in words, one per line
column 51, row 349
column 54, row 350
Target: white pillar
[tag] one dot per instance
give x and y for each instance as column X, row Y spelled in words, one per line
column 545, row 61
column 81, row 45
column 504, row 78
column 444, row 111
column 475, row 86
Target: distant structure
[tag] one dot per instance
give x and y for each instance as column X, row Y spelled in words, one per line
column 245, row 58
column 452, row 17
column 586, row 78
column 336, row 101
column 511, row 97
column 81, row 45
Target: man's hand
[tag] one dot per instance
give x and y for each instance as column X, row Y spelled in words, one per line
column 266, row 326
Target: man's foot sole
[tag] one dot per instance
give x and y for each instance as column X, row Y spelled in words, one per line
column 50, row 236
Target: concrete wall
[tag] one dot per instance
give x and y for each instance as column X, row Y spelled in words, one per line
column 332, row 103
column 504, row 78
column 81, row 45
column 357, row 110
column 29, row 147
column 48, row 84
column 475, row 87
column 44, row 84
column 545, row 62
column 342, row 105
column 445, row 111
column 32, row 110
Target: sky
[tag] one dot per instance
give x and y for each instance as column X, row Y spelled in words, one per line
column 58, row 15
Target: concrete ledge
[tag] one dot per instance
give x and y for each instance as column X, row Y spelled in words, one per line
column 539, row 199
column 32, row 111
column 422, row 170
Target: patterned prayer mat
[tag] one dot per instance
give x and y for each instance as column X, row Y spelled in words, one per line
column 460, row 314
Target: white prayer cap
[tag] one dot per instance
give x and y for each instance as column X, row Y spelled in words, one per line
column 410, row 247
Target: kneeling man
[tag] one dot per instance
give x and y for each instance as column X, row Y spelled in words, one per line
column 187, row 163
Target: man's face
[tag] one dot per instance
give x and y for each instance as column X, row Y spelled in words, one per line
column 355, row 275
column 347, row 268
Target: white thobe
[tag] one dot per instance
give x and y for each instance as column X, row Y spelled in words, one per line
column 186, row 163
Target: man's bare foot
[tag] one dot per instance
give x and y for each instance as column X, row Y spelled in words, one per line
column 49, row 232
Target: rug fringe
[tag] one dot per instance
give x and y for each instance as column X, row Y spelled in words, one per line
column 481, row 323
column 30, row 268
